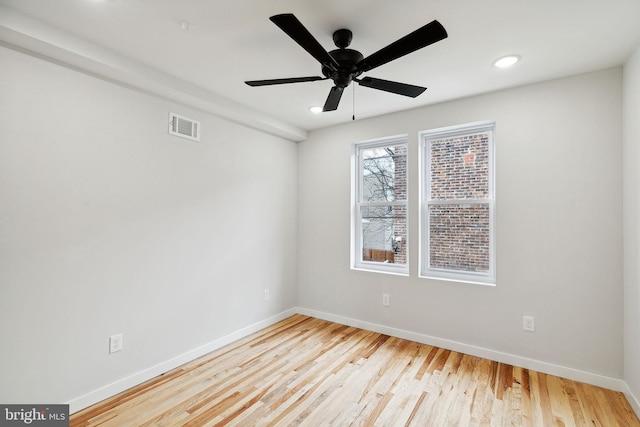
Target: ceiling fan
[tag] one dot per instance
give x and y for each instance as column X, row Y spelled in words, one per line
column 344, row 65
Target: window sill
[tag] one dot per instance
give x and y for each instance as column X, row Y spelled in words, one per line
column 375, row 270
column 458, row 280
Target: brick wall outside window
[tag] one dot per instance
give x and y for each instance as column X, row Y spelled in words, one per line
column 400, row 214
column 460, row 168
column 459, row 237
column 459, row 203
column 459, row 234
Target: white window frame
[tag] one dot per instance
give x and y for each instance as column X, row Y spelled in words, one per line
column 488, row 278
column 357, row 263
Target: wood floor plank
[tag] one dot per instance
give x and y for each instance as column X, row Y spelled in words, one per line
column 305, row 371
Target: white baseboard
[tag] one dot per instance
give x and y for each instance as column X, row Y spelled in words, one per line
column 633, row 400
column 511, row 359
column 123, row 384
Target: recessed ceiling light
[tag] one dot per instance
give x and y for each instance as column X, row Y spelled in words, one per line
column 315, row 109
column 507, row 61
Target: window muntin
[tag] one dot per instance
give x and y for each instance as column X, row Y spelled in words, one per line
column 457, row 203
column 379, row 223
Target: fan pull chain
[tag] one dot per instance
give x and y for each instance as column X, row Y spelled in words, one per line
column 353, row 117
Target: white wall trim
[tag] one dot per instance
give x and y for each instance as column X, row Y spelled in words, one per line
column 632, row 399
column 512, row 359
column 137, row 378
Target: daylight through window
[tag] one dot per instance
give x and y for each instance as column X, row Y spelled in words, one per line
column 457, row 206
column 379, row 220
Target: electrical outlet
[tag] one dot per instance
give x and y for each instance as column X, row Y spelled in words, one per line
column 115, row 343
column 385, row 300
column 528, row 323
column 266, row 294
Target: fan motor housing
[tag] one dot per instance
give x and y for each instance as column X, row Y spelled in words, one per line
column 347, row 60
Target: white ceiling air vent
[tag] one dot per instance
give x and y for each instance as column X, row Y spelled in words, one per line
column 184, row 127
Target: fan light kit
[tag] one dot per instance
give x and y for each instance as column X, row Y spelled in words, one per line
column 315, row 109
column 507, row 61
column 345, row 65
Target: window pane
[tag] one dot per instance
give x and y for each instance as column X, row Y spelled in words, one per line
column 460, row 167
column 459, row 237
column 379, row 224
column 384, row 172
column 384, row 234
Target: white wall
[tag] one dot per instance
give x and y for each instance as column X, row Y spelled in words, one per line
column 110, row 225
column 631, row 155
column 559, row 228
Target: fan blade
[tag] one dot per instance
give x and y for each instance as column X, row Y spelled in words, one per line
column 333, row 99
column 393, row 87
column 284, row 81
column 422, row 37
column 294, row 29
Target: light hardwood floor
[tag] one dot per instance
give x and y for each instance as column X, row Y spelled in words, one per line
column 306, row 371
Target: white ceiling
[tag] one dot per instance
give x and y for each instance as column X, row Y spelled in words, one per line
column 141, row 41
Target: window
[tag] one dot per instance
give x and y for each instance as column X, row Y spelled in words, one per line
column 379, row 212
column 457, row 203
